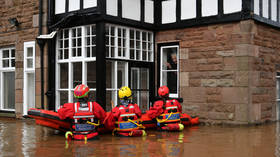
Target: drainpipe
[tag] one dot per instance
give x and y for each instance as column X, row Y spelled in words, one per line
column 41, row 44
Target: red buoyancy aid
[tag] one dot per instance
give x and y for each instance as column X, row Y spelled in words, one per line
column 171, row 112
column 85, row 123
column 127, row 117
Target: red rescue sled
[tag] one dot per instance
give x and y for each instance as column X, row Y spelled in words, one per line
column 50, row 119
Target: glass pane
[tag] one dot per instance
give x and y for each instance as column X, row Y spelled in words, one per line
column 109, row 74
column 137, row 54
column 137, row 35
column 93, row 40
column 121, row 74
column 79, row 32
column 79, row 42
column 112, row 52
column 64, row 75
column 77, row 74
column 79, row 52
column 9, row 90
column 60, row 54
column 74, row 32
column 74, row 43
column 66, row 33
column 30, row 90
column 170, row 80
column 134, row 78
column 132, row 44
column 5, row 63
column 144, row 101
column 88, row 41
column 88, row 51
column 29, row 63
column 5, row 54
column 30, row 52
column 112, row 41
column 110, row 99
column 169, row 58
column 66, row 54
column 144, row 55
column 91, row 74
column 63, row 97
column 93, row 30
column 66, row 43
column 131, row 34
column 107, row 51
column 144, row 73
column 13, row 63
column 74, row 54
column 278, row 88
column 13, row 52
column 88, row 30
column 132, row 54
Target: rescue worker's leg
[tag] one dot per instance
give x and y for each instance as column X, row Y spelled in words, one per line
column 172, row 127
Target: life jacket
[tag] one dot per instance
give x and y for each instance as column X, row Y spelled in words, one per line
column 171, row 112
column 128, row 120
column 84, row 122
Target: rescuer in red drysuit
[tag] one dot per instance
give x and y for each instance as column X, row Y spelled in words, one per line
column 125, row 117
column 167, row 112
column 85, row 116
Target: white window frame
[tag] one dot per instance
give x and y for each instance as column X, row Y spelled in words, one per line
column 26, row 72
column 127, row 47
column 3, row 70
column 114, row 75
column 70, row 61
column 174, row 95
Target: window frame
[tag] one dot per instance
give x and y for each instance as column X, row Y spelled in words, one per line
column 174, row 95
column 5, row 70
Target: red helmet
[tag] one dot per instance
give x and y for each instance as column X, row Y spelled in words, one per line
column 81, row 91
column 163, row 91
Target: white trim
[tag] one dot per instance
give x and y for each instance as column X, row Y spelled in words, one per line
column 175, row 95
column 28, row 71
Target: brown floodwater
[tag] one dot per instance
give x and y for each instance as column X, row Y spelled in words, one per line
column 25, row 138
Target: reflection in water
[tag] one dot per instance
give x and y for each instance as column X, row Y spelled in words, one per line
column 25, row 138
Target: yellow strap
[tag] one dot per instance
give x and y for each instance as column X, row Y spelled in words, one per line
column 91, row 123
column 162, row 121
column 139, row 125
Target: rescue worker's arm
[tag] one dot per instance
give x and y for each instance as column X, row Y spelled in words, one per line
column 137, row 110
column 66, row 111
column 99, row 112
column 179, row 105
column 116, row 112
column 156, row 109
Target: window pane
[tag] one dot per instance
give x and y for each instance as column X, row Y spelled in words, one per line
column 13, row 62
column 144, row 73
column 5, row 54
column 9, row 90
column 170, row 80
column 63, row 97
column 77, row 74
column 30, row 52
column 121, row 74
column 169, row 58
column 5, row 63
column 66, row 54
column 29, row 63
column 93, row 51
column 13, row 52
column 110, row 99
column 91, row 74
column 64, row 75
column 144, row 100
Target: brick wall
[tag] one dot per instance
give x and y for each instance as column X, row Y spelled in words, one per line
column 222, row 77
column 27, row 13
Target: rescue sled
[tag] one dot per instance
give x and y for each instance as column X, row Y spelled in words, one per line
column 50, row 119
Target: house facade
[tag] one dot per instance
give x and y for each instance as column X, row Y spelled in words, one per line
column 220, row 56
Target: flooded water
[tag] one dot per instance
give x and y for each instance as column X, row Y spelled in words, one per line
column 25, row 138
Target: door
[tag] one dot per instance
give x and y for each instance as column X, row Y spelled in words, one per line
column 140, row 86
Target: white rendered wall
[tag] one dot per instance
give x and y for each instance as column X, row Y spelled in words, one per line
column 112, row 7
column 168, row 11
column 209, row 7
column 59, row 6
column 232, row 6
column 149, row 11
column 131, row 9
column 90, row 3
column 265, row 8
column 188, row 9
column 257, row 7
column 74, row 5
column 274, row 10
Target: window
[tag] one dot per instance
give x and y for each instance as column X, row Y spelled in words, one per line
column 76, row 49
column 128, row 43
column 116, row 77
column 169, row 69
column 7, row 79
column 29, row 76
